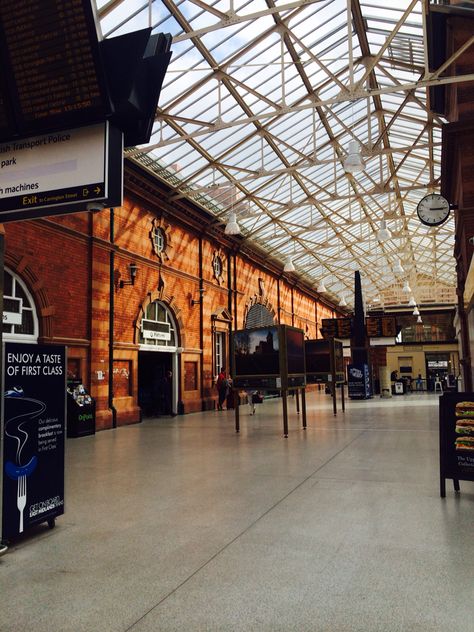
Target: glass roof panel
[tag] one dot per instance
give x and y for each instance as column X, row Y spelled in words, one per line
column 256, row 115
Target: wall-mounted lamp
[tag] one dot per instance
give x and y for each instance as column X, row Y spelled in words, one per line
column 132, row 272
column 197, row 301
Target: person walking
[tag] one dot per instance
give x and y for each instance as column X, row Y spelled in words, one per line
column 222, row 385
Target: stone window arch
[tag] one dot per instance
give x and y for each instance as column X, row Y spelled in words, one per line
column 20, row 319
column 158, row 328
column 258, row 315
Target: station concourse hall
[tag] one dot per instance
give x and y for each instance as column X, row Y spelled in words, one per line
column 237, row 294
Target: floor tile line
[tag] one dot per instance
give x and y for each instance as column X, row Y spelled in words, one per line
column 239, row 535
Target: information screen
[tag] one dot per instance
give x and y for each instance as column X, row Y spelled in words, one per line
column 381, row 326
column 336, row 327
column 5, row 123
column 49, row 55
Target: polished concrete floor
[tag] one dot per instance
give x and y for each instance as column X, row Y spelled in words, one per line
column 180, row 524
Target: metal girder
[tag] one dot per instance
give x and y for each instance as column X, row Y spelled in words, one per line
column 257, row 110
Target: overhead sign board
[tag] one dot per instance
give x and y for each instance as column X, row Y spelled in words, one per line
column 60, row 172
column 153, row 330
column 336, row 327
column 381, row 326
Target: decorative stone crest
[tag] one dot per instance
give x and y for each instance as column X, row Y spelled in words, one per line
column 218, row 259
column 161, row 239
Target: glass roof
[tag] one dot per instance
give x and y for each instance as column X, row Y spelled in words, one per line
column 256, row 113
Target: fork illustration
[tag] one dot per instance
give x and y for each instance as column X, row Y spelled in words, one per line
column 21, row 499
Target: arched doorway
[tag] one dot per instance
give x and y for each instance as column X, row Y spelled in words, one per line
column 20, row 321
column 158, row 339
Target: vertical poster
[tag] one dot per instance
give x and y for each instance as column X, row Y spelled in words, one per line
column 456, row 433
column 33, row 434
column 358, row 381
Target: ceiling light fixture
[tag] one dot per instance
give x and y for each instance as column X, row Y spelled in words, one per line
column 416, row 312
column 398, row 268
column 412, row 302
column 289, row 266
column 383, row 233
column 353, row 161
column 321, row 287
column 232, row 227
column 342, row 302
column 419, row 320
column 406, row 288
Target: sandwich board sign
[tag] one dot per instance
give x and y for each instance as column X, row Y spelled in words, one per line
column 456, row 437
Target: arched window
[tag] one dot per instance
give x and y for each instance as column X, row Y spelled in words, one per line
column 259, row 316
column 20, row 322
column 158, row 329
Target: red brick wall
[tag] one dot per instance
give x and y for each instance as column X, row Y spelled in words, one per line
column 66, row 261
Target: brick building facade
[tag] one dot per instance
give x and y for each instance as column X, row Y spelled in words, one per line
column 189, row 274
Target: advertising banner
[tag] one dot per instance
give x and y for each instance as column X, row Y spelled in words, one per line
column 456, row 434
column 33, row 435
column 358, row 381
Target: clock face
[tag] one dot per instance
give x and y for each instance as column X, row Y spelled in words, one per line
column 433, row 209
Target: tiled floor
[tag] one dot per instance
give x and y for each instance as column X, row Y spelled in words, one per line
column 180, row 524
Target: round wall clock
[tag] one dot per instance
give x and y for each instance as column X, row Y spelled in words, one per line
column 433, row 209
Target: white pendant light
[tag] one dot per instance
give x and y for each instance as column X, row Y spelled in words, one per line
column 289, row 266
column 353, row 161
column 406, row 288
column 232, row 227
column 321, row 287
column 412, row 302
column 398, row 268
column 416, row 312
column 383, row 233
column 342, row 302
column 419, row 320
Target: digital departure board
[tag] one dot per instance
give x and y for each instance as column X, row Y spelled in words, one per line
column 4, row 119
column 336, row 327
column 50, row 59
column 381, row 326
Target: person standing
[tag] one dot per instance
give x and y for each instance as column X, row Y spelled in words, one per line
column 222, row 385
column 230, row 399
column 167, row 393
column 419, row 382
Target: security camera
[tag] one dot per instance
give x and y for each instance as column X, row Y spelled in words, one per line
column 471, row 240
column 95, row 206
